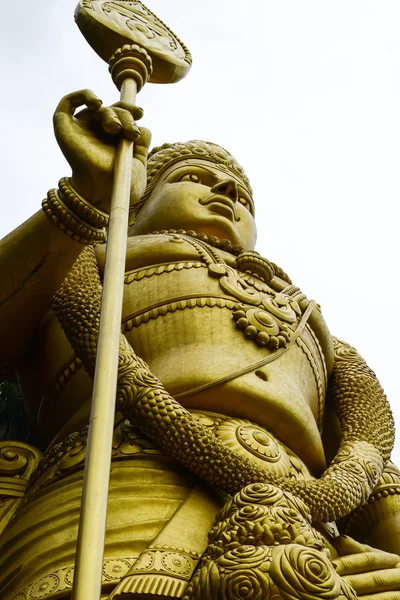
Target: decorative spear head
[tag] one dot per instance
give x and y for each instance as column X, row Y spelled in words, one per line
column 110, row 25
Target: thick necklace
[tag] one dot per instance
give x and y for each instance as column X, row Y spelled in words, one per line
column 225, row 245
column 212, row 240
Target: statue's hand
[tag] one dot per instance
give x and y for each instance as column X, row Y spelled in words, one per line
column 88, row 141
column 373, row 574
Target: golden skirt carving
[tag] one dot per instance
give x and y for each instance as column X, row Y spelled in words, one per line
column 146, row 491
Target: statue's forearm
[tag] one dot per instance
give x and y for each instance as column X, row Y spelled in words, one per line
column 386, row 533
column 377, row 523
column 34, row 259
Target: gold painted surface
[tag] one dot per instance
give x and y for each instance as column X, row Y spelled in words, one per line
column 18, row 461
column 150, row 506
column 238, row 419
column 224, row 373
column 145, row 492
column 366, row 443
column 108, row 25
column 376, row 522
column 175, row 338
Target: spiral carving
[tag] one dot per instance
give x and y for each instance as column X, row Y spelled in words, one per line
column 304, row 573
column 18, row 459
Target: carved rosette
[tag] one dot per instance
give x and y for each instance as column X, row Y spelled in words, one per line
column 59, row 583
column 264, row 547
column 258, row 445
column 267, row 317
column 160, row 570
column 304, row 573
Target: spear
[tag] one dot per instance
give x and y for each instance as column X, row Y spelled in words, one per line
column 138, row 48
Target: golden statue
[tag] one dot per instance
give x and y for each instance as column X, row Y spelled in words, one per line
column 246, row 437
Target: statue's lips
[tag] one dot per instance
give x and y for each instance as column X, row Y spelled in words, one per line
column 221, row 205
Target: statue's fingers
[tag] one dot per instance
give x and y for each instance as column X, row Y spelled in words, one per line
column 110, row 121
column 386, row 580
column 64, row 120
column 365, row 562
column 129, row 128
column 70, row 102
column 136, row 111
column 346, row 545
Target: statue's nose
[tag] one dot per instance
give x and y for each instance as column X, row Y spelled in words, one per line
column 228, row 188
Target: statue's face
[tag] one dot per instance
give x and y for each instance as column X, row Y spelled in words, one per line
column 198, row 194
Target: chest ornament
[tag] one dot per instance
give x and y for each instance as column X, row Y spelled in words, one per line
column 265, row 316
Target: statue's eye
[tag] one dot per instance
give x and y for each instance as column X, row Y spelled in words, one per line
column 190, row 177
column 246, row 203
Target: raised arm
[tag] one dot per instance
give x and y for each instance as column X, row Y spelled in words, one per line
column 35, row 257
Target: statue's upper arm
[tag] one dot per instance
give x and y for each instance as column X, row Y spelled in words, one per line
column 320, row 328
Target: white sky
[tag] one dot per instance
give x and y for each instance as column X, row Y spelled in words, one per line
column 305, row 94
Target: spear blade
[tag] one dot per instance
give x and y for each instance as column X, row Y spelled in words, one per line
column 108, row 25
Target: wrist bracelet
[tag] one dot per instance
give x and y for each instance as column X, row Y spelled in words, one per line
column 69, row 222
column 80, row 206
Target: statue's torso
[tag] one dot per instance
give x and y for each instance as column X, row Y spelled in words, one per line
column 178, row 316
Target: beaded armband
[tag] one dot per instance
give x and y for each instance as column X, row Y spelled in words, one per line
column 73, row 215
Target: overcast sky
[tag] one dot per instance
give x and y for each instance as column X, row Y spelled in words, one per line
column 304, row 93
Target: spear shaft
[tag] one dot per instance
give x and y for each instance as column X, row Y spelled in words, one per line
column 138, row 48
column 92, row 526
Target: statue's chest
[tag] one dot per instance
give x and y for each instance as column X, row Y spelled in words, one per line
column 202, row 278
